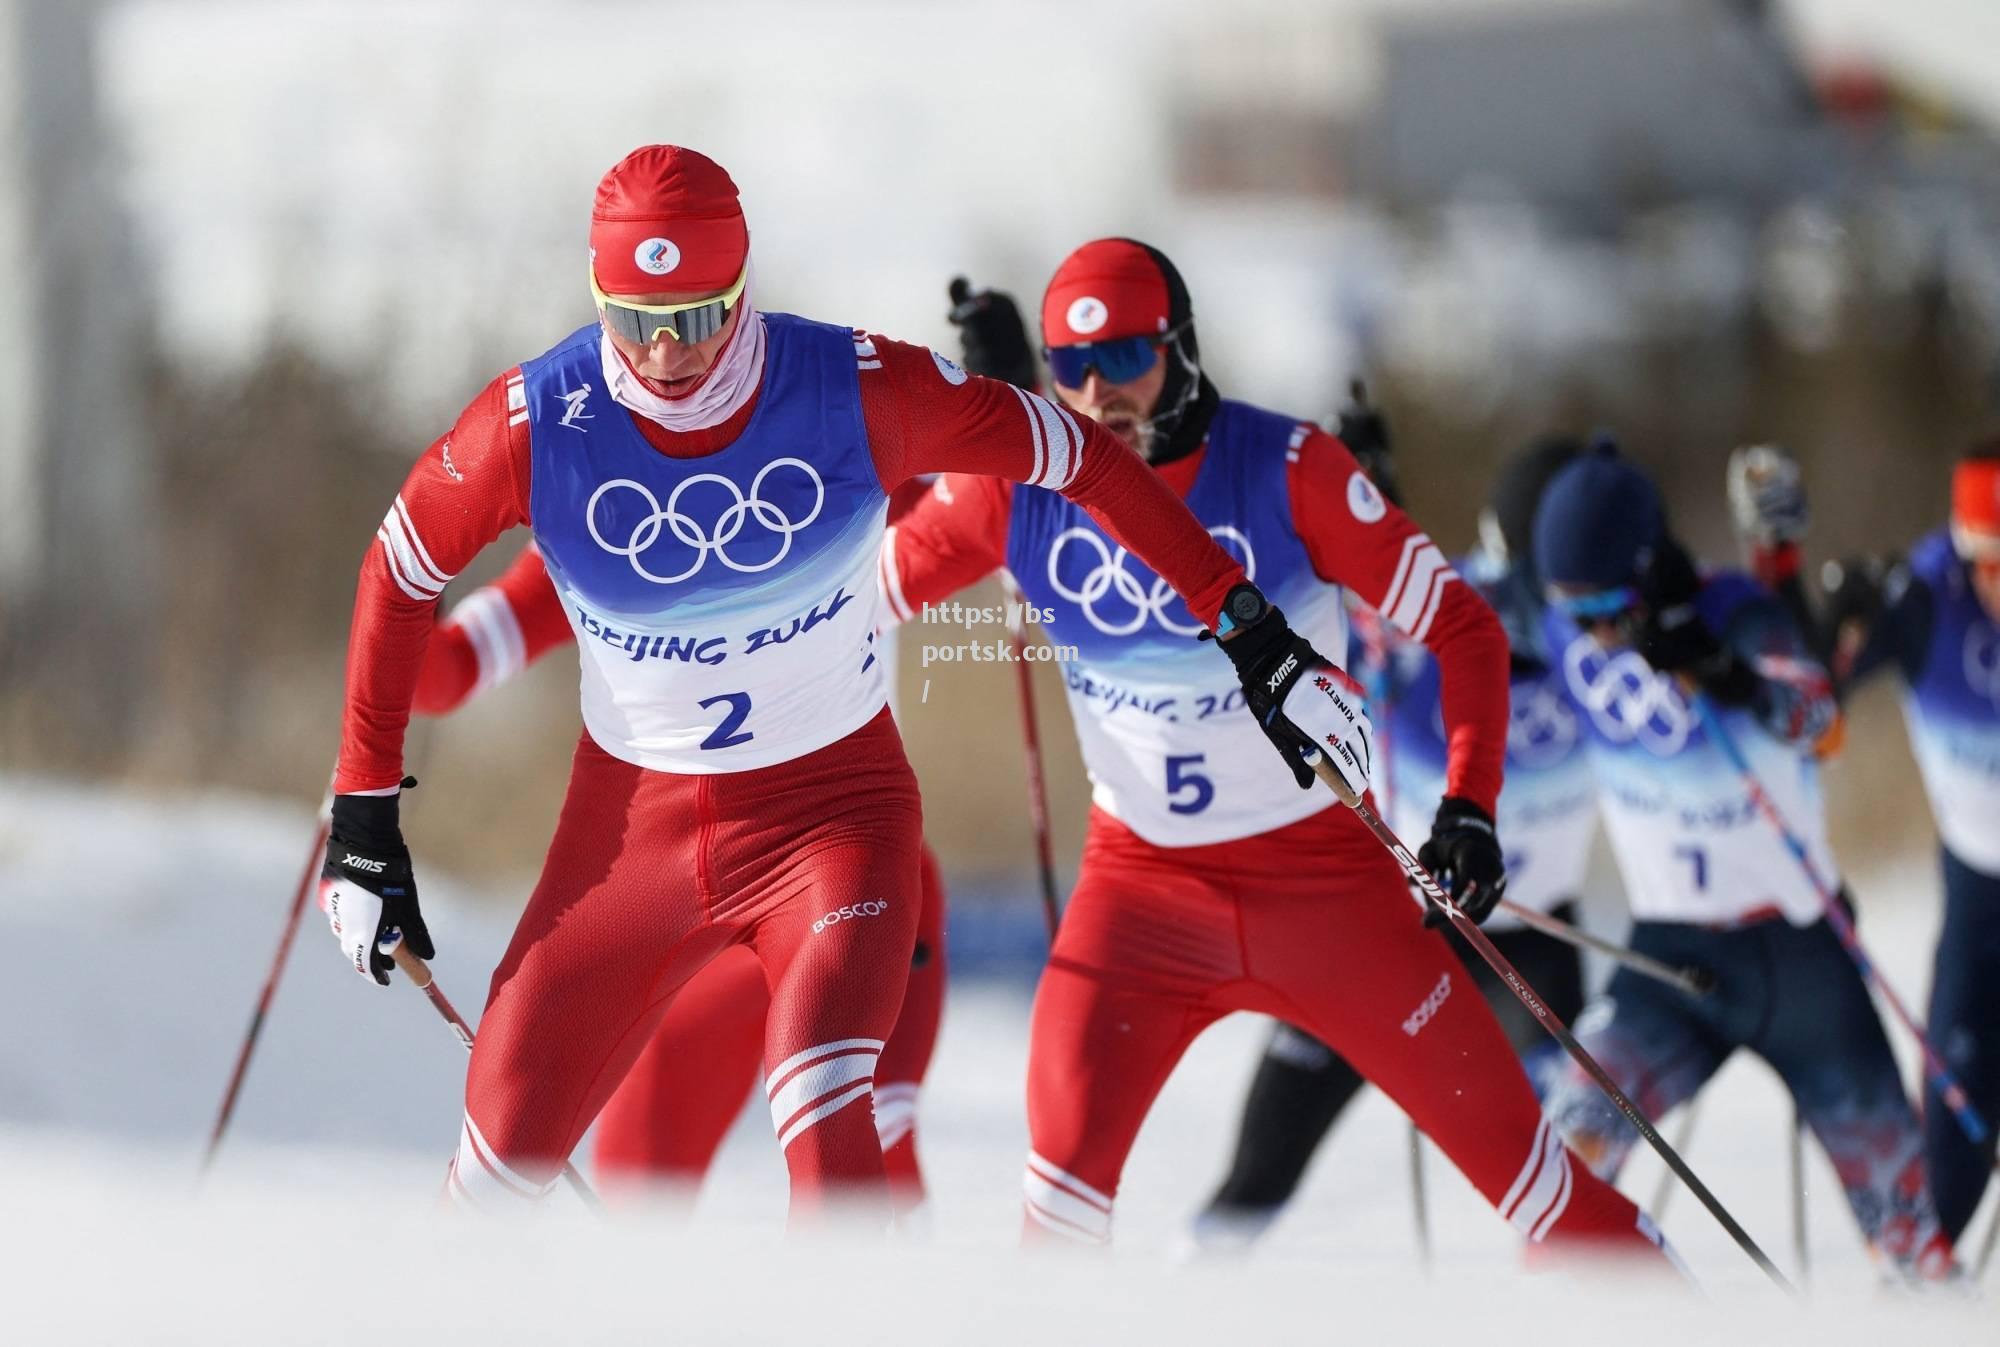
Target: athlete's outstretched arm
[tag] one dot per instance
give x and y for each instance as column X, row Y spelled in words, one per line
column 924, row 414
column 1358, row 539
column 469, row 487
column 955, row 535
column 492, row 634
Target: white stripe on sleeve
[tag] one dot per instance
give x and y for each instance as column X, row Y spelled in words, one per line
column 1034, row 477
column 495, row 633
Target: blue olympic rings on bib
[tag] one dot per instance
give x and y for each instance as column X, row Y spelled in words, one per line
column 689, row 531
column 1626, row 700
column 1109, row 576
column 1982, row 662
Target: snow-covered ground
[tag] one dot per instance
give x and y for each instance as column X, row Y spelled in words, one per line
column 140, row 930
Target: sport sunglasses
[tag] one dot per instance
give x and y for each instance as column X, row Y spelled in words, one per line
column 1118, row 361
column 1596, row 605
column 694, row 321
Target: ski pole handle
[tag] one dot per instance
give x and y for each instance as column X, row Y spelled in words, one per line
column 415, row 969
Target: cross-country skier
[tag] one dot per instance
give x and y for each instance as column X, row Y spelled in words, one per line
column 1208, row 886
column 707, row 484
column 662, row 1126
column 1547, row 816
column 1632, row 624
column 1935, row 618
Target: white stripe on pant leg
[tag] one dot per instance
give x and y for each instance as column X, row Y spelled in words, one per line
column 1058, row 1209
column 895, row 1112
column 1041, row 1166
column 831, row 1075
column 1561, row 1203
column 1547, row 1189
column 1520, row 1185
column 812, row 1116
column 482, row 1174
column 799, row 1059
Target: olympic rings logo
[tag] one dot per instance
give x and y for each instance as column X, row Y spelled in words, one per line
column 689, row 531
column 1626, row 700
column 1109, row 576
column 1982, row 661
column 1540, row 727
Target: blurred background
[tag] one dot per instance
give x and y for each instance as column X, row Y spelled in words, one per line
column 256, row 255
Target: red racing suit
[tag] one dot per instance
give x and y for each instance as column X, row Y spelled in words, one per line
column 652, row 873
column 664, row 1124
column 1303, row 916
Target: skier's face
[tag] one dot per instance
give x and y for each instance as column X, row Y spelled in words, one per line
column 669, row 364
column 1126, row 410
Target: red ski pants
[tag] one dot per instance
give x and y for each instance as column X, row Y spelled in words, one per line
column 811, row 864
column 665, row 1123
column 1312, row 924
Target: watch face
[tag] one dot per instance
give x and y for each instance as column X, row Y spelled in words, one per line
column 1245, row 608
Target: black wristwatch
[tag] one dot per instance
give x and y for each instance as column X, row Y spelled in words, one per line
column 1242, row 606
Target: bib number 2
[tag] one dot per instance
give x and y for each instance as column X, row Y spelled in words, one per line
column 730, row 732
column 1182, row 777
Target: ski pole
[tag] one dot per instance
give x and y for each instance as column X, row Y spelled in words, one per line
column 1940, row 1075
column 1419, row 1200
column 1664, row 1193
column 1798, row 1153
column 1986, row 1249
column 1693, row 981
column 314, row 857
column 419, row 973
column 1549, row 1019
column 1038, row 793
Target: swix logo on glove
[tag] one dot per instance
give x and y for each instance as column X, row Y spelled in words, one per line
column 872, row 908
column 1284, row 672
column 363, row 863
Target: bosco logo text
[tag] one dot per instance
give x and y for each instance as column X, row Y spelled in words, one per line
column 874, row 907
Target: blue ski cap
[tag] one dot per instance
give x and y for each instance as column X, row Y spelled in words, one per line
column 1596, row 521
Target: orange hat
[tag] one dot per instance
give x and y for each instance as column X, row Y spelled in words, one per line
column 1975, row 507
column 667, row 219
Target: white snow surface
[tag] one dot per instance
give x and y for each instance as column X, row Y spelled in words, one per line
column 140, row 930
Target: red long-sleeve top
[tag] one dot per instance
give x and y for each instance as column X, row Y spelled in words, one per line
column 922, row 414
column 957, row 535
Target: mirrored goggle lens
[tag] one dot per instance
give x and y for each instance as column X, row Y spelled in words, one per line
column 687, row 326
column 1598, row 605
column 1116, row 362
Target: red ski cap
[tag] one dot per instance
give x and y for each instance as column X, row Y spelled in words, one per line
column 1975, row 508
column 667, row 220
column 1108, row 288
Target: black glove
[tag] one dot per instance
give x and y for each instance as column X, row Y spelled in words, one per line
column 1325, row 717
column 1853, row 591
column 1464, row 857
column 993, row 341
column 367, row 885
column 1363, row 429
column 1673, row 638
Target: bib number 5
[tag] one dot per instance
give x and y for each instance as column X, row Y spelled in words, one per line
column 1182, row 777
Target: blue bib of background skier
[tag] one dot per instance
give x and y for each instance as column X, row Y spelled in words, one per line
column 1954, row 709
column 1110, row 605
column 635, row 534
column 1960, row 686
